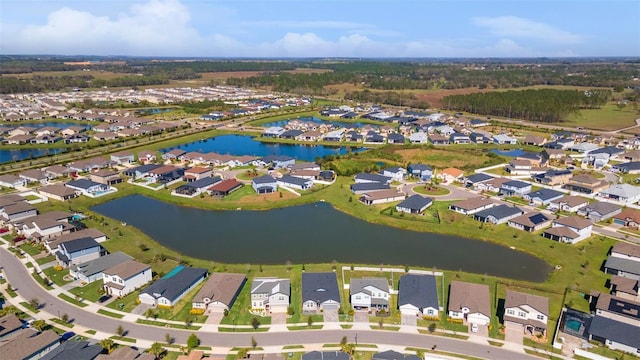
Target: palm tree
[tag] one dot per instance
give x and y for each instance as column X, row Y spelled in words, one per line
column 107, row 344
column 156, row 349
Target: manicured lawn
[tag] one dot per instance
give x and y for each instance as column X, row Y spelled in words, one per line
column 46, row 260
column 91, row 292
column 110, row 314
column 431, row 190
column 56, row 276
column 31, row 249
column 68, row 298
column 60, row 322
column 128, row 302
column 40, row 280
column 29, row 307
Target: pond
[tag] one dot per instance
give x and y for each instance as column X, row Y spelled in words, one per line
column 23, row 154
column 313, row 233
column 282, row 123
column 512, row 153
column 247, row 145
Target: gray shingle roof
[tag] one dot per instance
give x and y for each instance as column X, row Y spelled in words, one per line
column 288, row 179
column 265, row 179
column 82, row 184
column 175, row 285
column 499, row 212
column 369, row 186
column 74, row 350
column 320, row 287
column 394, row 355
column 628, row 266
column 325, row 355
column 616, row 331
column 271, row 286
column 418, row 290
column 477, row 178
column 415, row 202
column 80, row 244
column 545, row 194
column 373, row 177
column 101, row 264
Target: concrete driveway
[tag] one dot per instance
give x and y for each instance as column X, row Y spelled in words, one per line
column 278, row 318
column 409, row 320
column 330, row 315
column 513, row 333
column 360, row 317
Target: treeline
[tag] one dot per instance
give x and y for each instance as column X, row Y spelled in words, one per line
column 395, row 98
column 12, row 85
column 544, row 105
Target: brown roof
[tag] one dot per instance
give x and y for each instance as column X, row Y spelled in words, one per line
column 127, row 269
column 452, row 172
column 123, row 154
column 221, row 287
column 588, row 180
column 225, row 185
column 626, row 249
column 105, row 173
column 121, row 353
column 473, row 203
column 625, row 285
column 193, row 355
column 575, row 222
column 526, row 219
column 163, row 169
column 382, row 194
column 9, row 323
column 305, row 172
column 629, row 213
column 532, row 139
column 473, row 296
column 197, row 170
column 58, row 170
column 18, row 207
column 497, row 182
column 27, row 342
column 10, row 199
column 606, row 300
column 516, row 299
column 34, row 174
column 562, row 231
column 572, row 201
column 90, row 232
column 57, row 189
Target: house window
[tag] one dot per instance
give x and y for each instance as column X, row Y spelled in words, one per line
column 358, row 297
column 540, row 317
column 511, row 312
column 522, row 314
column 430, row 312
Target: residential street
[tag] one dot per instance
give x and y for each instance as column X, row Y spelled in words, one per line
column 86, row 318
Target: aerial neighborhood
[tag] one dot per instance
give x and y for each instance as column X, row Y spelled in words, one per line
column 563, row 190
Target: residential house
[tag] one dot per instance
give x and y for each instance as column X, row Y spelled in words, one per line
column 480, row 138
column 270, row 294
column 501, row 139
column 414, row 204
column 449, row 175
column 196, row 173
column 18, row 211
column 395, row 173
column 369, row 293
column 320, row 291
column 418, row 295
column 141, row 171
column 459, row 138
column 166, row 174
column 553, row 177
column 552, row 154
column 493, row 186
column 568, row 203
column 625, row 288
column 628, row 217
column 277, row 161
column 173, row 154
column 304, row 166
column 394, row 355
column 122, row 157
column 219, row 292
column 529, row 311
column 395, row 139
column 57, row 171
column 273, row 131
column 472, row 205
column 197, row 187
column 224, row 187
column 295, row 182
column 470, row 302
column 166, row 291
column 381, row 196
column 147, row 157
column 515, row 188
column 12, row 181
column 475, row 179
column 52, row 243
column 600, row 211
column 361, row 188
column 106, row 176
column 624, row 260
column 534, row 140
column 92, row 270
column 543, row 196
column 265, row 184
column 624, row 193
column 125, row 277
column 519, row 167
column 9, row 324
column 35, row 176
column 437, row 139
column 45, row 225
column 616, row 322
column 82, row 166
column 420, row 171
column 87, row 187
column 76, row 350
column 498, row 214
column 627, row 168
column 78, row 251
column 418, row 138
column 326, row 355
column 571, row 229
column 530, row 222
column 369, row 178
column 29, row 344
column 59, row 192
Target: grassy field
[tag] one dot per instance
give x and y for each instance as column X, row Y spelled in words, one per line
column 610, row 117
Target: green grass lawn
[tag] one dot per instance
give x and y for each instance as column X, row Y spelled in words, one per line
column 110, row 314
column 31, row 249
column 431, row 190
column 91, row 292
column 68, row 298
column 126, row 304
column 46, row 260
column 56, row 276
column 610, row 117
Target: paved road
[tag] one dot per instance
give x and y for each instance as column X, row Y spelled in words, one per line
column 27, row 288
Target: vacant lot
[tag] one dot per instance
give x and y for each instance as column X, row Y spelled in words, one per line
column 610, row 117
column 443, row 158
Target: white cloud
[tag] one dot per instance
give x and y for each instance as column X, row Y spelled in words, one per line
column 513, row 26
column 322, row 24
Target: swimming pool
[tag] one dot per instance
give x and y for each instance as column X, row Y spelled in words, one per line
column 173, row 271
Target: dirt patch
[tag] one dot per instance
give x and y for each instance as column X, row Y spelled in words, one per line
column 434, row 98
column 443, row 158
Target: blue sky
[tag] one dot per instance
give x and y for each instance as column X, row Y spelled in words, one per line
column 328, row 28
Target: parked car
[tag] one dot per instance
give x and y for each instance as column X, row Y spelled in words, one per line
column 474, row 327
column 68, row 335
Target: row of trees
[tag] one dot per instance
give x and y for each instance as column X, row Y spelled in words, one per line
column 396, row 98
column 12, row 85
column 544, row 105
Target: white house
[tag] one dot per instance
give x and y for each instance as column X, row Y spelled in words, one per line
column 168, row 290
column 470, row 302
column 529, row 311
column 369, row 293
column 571, row 229
column 418, row 295
column 270, row 294
column 125, row 277
column 396, row 173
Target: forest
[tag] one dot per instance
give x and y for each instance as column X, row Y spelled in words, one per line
column 543, row 105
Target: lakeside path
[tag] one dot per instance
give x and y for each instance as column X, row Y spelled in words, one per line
column 222, row 343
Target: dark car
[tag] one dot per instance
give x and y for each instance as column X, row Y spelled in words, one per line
column 104, row 298
column 68, row 335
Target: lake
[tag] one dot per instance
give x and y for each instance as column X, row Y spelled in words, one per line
column 23, row 154
column 313, row 233
column 283, row 123
column 247, row 145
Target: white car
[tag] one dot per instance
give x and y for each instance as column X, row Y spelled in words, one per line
column 474, row 327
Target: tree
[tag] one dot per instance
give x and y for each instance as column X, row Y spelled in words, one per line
column 39, row 325
column 242, row 353
column 192, row 341
column 65, row 317
column 168, row 339
column 107, row 344
column 309, row 321
column 254, row 343
column 255, row 322
column 120, row 330
column 156, row 349
column 432, row 327
column 35, row 303
column 343, row 343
